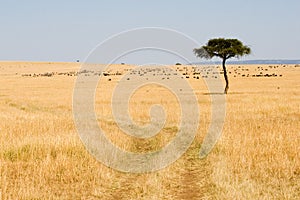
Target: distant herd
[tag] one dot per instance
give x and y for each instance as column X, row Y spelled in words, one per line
column 195, row 72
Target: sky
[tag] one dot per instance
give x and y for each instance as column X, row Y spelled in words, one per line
column 70, row 30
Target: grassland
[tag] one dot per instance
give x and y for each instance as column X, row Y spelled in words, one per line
column 42, row 156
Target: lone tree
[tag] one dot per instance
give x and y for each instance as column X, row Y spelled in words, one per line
column 224, row 49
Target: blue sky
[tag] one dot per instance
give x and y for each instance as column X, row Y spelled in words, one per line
column 69, row 30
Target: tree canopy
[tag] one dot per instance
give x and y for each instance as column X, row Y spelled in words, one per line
column 223, row 48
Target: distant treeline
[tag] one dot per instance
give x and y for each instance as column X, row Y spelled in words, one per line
column 283, row 62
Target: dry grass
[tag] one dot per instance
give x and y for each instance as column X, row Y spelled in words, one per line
column 42, row 156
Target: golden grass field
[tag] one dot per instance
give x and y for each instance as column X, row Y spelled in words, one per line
column 42, row 156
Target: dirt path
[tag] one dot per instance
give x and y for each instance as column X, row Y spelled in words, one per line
column 195, row 181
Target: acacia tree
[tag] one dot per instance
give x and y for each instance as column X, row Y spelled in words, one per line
column 224, row 49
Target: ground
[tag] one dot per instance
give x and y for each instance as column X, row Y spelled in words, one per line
column 257, row 156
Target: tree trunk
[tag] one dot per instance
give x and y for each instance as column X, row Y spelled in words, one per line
column 225, row 76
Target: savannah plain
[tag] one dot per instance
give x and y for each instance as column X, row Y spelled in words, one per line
column 257, row 156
